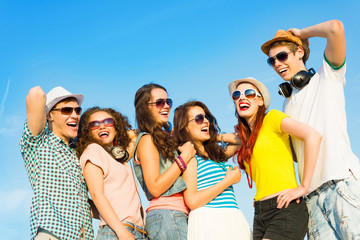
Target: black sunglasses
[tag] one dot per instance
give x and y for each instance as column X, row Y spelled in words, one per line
column 281, row 56
column 160, row 103
column 68, row 110
column 199, row 119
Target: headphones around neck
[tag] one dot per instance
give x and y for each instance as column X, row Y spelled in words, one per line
column 119, row 153
column 298, row 81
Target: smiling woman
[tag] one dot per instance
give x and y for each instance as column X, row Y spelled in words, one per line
column 209, row 194
column 110, row 179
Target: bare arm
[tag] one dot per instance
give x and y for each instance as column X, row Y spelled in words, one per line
column 195, row 198
column 94, row 179
column 334, row 33
column 312, row 140
column 132, row 135
column 35, row 110
column 233, row 140
column 148, row 155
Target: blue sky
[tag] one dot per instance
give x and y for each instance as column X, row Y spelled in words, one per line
column 107, row 50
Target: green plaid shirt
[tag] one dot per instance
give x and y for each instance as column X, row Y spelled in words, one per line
column 60, row 202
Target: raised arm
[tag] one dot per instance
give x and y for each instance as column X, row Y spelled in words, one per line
column 148, row 155
column 35, row 110
column 334, row 33
column 132, row 135
column 312, row 140
column 195, row 198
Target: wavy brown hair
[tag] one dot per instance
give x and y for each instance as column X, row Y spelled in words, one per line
column 85, row 138
column 248, row 137
column 182, row 135
column 147, row 123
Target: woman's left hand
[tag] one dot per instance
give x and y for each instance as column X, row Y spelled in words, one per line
column 286, row 196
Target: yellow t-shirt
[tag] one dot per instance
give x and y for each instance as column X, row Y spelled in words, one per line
column 272, row 164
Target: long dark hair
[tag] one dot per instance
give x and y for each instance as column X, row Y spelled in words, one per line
column 248, row 137
column 147, row 123
column 84, row 134
column 181, row 134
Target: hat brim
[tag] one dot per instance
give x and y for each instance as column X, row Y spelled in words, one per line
column 266, row 46
column 78, row 97
column 259, row 85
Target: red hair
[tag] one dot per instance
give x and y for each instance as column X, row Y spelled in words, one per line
column 248, row 137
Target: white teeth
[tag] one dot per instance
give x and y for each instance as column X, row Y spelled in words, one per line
column 164, row 113
column 103, row 134
column 282, row 70
column 204, row 129
column 244, row 105
column 72, row 124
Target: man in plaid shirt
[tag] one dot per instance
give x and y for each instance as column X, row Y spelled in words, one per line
column 60, row 208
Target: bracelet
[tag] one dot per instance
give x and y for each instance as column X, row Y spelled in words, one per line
column 181, row 164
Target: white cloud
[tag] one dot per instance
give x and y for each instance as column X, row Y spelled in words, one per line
column 14, row 200
column 12, row 125
column 2, row 106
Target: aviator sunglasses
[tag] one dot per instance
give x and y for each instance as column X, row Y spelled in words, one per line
column 68, row 110
column 248, row 93
column 281, row 56
column 108, row 122
column 199, row 119
column 160, row 103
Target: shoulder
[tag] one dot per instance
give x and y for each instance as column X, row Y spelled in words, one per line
column 275, row 114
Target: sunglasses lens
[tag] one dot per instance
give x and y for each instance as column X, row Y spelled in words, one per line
column 78, row 110
column 66, row 111
column 236, row 95
column 199, row 119
column 282, row 57
column 109, row 122
column 250, row 93
column 169, row 102
column 94, row 125
column 271, row 61
column 160, row 103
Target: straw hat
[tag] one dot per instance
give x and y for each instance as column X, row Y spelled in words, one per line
column 58, row 94
column 259, row 85
column 282, row 35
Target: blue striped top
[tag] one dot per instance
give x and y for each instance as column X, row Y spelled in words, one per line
column 210, row 173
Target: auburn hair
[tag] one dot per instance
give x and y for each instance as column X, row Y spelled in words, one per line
column 248, row 137
column 147, row 123
column 85, row 138
column 182, row 135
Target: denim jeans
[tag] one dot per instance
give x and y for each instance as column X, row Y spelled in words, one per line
column 106, row 233
column 334, row 211
column 165, row 224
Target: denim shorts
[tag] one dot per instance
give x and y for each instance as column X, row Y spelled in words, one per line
column 334, row 210
column 106, row 233
column 166, row 224
column 285, row 223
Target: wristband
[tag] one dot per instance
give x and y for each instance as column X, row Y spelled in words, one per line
column 181, row 164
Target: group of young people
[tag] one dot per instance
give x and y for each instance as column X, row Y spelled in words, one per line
column 183, row 169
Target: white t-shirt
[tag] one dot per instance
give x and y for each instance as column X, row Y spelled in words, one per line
column 321, row 104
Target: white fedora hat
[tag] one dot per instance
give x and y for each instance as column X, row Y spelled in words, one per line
column 57, row 94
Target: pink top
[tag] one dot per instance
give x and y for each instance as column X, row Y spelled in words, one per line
column 120, row 186
column 173, row 202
